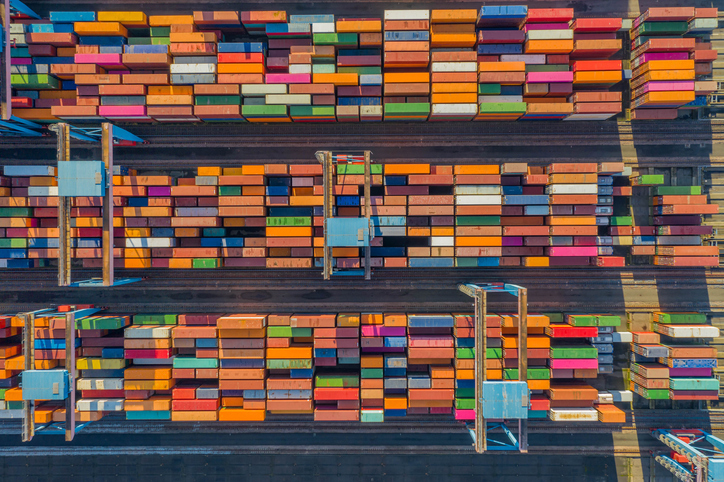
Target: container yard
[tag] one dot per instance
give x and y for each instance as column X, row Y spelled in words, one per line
column 286, row 241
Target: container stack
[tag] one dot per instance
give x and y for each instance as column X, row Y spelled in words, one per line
column 464, row 332
column 677, row 215
column 690, row 363
column 430, row 370
column 290, row 346
column 338, row 346
column 538, row 348
column 363, row 103
column 11, row 361
column 701, row 26
column 663, row 72
column 649, row 378
column 573, row 190
column 149, row 381
column 478, row 202
column 406, row 65
column 395, row 364
column 501, row 66
column 593, row 74
column 373, row 345
column 454, row 65
column 196, row 360
column 242, row 371
column 102, row 349
column 614, row 208
column 525, row 206
column 548, row 85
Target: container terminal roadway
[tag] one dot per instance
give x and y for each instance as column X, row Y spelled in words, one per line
column 422, row 290
column 180, row 147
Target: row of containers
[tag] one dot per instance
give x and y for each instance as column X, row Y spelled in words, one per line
column 495, row 63
column 422, row 216
column 367, row 367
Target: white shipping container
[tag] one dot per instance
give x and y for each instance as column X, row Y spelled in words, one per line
column 150, row 243
column 17, row 28
column 442, row 241
column 18, row 39
column 478, row 200
column 484, row 99
column 193, row 68
column 322, row 28
column 207, row 180
column 100, row 404
column 473, row 189
column 687, row 331
column 370, row 79
column 454, row 66
column 532, row 59
column 573, row 414
column 289, row 99
column 605, row 397
column 572, row 189
column 407, row 14
column 622, row 337
column 99, row 384
column 622, row 395
column 390, row 231
column 560, row 34
column 703, row 24
column 196, row 212
column 370, row 111
column 454, row 109
column 42, row 191
column 250, row 90
column 678, row 240
column 148, row 332
column 300, row 68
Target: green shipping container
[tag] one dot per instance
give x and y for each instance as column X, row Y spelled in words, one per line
column 34, row 81
column 101, row 323
column 189, row 362
column 493, row 353
column 16, row 212
column 372, row 416
column 466, row 262
column 264, row 110
column 371, row 372
column 288, row 364
column 608, row 320
column 477, row 220
column 140, row 41
column 621, row 221
column 546, row 68
column 677, row 191
column 339, row 39
column 217, row 100
column 149, row 319
column 489, row 89
column 533, row 374
column 464, row 393
column 682, row 318
column 655, row 394
column 358, row 168
column 694, row 384
column 324, row 68
column 650, row 179
column 503, row 107
column 336, row 381
column 663, row 28
column 229, row 190
column 160, row 41
column 204, row 263
column 360, row 70
column 581, row 351
column 289, row 221
column 311, row 110
column 13, row 243
column 581, row 320
column 160, row 31
column 464, row 403
column 412, row 109
column 466, row 353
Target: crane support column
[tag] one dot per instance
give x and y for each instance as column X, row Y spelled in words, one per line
column 62, row 130
column 107, row 146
